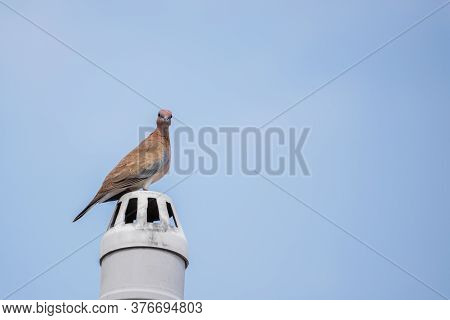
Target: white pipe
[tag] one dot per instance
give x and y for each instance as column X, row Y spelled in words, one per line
column 142, row 259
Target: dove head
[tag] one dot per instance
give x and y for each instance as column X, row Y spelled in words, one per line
column 164, row 118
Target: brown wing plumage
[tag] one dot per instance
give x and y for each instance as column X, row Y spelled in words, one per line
column 135, row 164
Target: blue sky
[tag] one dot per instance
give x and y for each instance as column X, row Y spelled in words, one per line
column 377, row 151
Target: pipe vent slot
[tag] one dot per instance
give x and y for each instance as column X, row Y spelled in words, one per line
column 130, row 213
column 116, row 212
column 152, row 211
column 172, row 221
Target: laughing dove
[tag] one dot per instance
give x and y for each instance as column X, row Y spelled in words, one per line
column 144, row 165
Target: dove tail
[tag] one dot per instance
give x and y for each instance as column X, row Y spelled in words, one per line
column 85, row 210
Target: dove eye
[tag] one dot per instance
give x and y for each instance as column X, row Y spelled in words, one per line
column 159, row 114
column 170, row 117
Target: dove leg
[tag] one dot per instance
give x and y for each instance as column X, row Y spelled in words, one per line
column 146, row 185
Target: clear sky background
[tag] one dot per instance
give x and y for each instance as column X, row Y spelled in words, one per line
column 378, row 150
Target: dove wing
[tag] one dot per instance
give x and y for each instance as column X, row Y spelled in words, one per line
column 140, row 164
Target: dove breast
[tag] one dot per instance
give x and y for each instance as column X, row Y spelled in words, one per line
column 163, row 168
